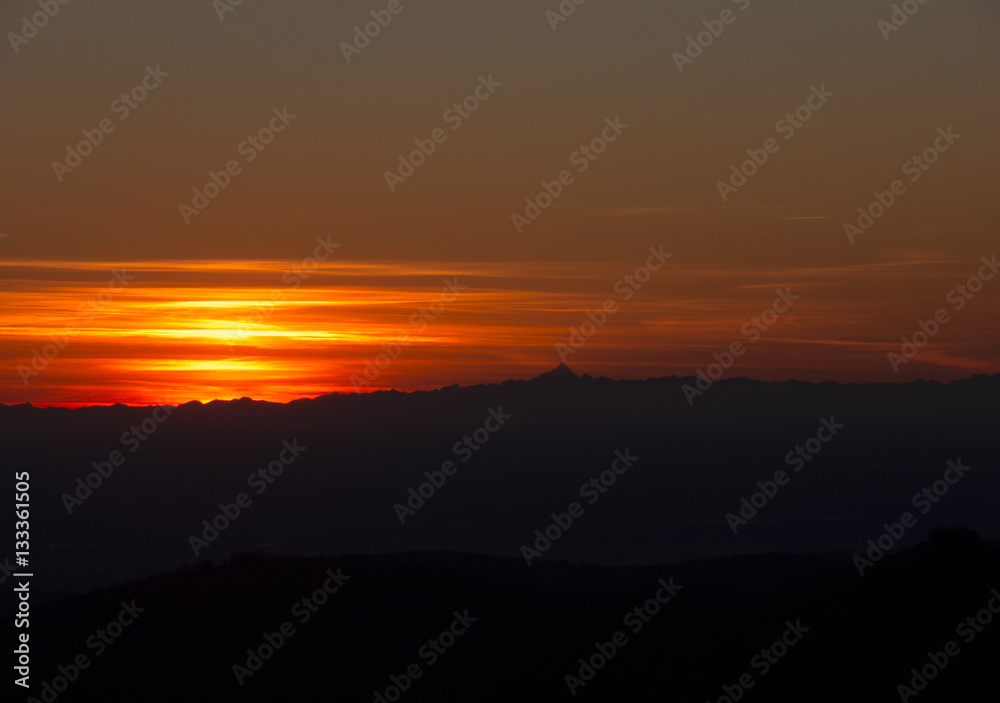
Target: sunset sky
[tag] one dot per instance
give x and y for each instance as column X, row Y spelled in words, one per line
column 181, row 330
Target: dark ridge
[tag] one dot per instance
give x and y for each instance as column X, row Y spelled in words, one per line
column 859, row 637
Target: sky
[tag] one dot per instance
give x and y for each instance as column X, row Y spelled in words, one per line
column 179, row 325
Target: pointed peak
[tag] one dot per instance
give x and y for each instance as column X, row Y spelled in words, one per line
column 561, row 371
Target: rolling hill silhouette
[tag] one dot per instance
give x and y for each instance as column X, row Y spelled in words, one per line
column 863, row 635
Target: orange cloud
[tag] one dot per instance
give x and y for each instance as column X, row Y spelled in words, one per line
column 223, row 329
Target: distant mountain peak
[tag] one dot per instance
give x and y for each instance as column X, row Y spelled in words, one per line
column 561, row 371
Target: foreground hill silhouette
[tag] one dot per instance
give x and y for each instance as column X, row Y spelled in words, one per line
column 864, row 634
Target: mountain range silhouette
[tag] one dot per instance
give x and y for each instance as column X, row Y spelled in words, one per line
column 493, row 467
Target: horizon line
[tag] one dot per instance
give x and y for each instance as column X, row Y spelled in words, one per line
column 553, row 373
